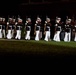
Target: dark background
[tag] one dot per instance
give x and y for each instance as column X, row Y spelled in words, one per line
column 32, row 8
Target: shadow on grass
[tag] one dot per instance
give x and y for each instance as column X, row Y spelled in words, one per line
column 26, row 53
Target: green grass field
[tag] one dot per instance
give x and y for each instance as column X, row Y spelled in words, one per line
column 37, row 47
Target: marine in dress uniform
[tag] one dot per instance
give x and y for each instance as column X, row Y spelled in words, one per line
column 62, row 34
column 0, row 27
column 75, row 33
column 57, row 30
column 9, row 29
column 18, row 28
column 13, row 27
column 47, row 29
column 28, row 28
column 37, row 29
column 4, row 27
column 67, row 37
column 74, row 30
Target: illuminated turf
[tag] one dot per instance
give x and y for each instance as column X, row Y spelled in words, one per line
column 37, row 47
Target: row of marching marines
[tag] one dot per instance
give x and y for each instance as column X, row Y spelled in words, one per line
column 11, row 27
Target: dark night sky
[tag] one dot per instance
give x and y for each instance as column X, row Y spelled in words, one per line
column 14, row 7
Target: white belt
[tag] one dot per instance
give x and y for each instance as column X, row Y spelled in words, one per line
column 59, row 26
